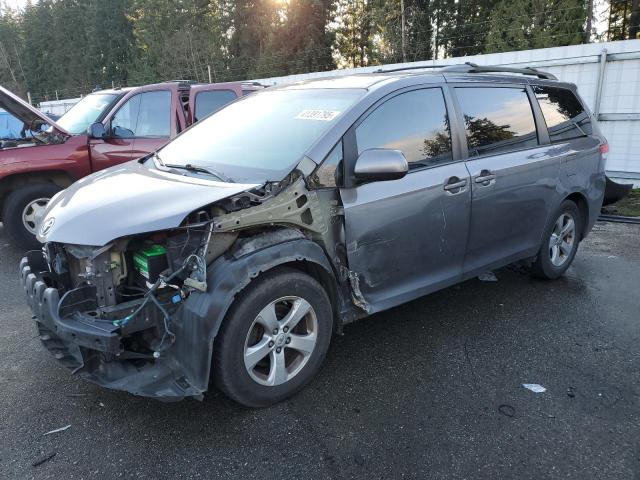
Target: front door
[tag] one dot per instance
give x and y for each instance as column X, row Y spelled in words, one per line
column 513, row 177
column 140, row 126
column 406, row 238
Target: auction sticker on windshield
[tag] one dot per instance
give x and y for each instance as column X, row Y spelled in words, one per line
column 323, row 115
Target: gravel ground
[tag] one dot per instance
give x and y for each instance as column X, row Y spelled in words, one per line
column 432, row 389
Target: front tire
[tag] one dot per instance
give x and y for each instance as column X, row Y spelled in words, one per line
column 560, row 242
column 22, row 210
column 274, row 338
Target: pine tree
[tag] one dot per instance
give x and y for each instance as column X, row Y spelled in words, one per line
column 417, row 26
column 527, row 24
column 303, row 40
column 355, row 33
column 12, row 75
column 624, row 20
column 253, row 27
column 464, row 26
column 111, row 42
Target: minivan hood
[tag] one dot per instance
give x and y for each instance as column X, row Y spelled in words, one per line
column 127, row 199
column 25, row 112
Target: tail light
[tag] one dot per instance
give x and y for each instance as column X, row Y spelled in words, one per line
column 604, row 152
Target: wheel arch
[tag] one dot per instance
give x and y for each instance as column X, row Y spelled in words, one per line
column 583, row 207
column 203, row 313
column 8, row 184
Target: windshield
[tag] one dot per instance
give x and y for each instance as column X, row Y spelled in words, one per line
column 262, row 136
column 86, row 111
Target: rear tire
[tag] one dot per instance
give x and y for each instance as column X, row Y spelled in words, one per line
column 20, row 211
column 559, row 243
column 274, row 338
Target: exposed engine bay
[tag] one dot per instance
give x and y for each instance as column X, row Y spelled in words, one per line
column 135, row 284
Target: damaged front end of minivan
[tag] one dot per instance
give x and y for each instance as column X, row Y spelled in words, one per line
column 140, row 313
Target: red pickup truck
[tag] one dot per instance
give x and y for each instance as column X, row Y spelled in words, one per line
column 103, row 129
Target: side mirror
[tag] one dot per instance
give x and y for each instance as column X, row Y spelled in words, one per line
column 380, row 164
column 97, row 130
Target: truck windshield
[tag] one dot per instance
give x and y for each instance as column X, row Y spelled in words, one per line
column 262, row 136
column 86, row 111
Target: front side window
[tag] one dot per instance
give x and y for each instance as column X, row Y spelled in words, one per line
column 563, row 113
column 497, row 119
column 209, row 102
column 262, row 136
column 146, row 114
column 415, row 122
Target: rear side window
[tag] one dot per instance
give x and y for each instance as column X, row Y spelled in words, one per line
column 208, row 102
column 497, row 119
column 415, row 123
column 563, row 113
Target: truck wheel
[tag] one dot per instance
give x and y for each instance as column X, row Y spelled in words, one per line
column 274, row 339
column 22, row 209
column 559, row 243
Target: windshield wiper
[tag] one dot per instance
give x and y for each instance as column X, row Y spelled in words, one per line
column 194, row 168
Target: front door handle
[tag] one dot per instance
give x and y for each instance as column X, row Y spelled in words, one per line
column 485, row 178
column 454, row 183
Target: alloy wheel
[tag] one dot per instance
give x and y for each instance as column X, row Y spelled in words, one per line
column 562, row 239
column 280, row 341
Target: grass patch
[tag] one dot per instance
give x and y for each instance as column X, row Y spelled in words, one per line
column 629, row 206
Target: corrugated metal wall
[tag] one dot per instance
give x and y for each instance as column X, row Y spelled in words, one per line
column 619, row 108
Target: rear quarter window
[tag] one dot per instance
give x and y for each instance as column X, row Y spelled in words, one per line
column 563, row 113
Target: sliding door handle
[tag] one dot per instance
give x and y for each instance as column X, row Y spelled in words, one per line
column 454, row 183
column 485, row 178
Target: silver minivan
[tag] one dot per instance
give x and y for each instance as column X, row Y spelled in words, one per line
column 233, row 253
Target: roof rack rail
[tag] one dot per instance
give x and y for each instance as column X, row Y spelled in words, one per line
column 469, row 67
column 412, row 67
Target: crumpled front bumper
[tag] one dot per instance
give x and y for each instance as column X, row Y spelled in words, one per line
column 90, row 347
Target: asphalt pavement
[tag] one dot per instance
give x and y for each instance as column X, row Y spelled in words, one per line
column 432, row 389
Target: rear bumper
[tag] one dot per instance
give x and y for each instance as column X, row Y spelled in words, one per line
column 91, row 348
